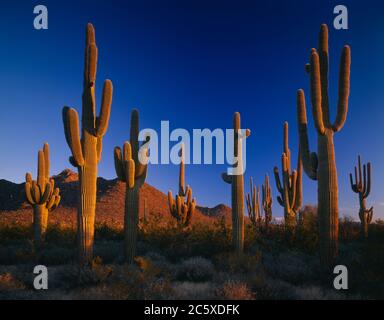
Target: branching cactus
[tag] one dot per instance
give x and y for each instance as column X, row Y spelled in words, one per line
column 236, row 181
column 322, row 166
column 267, row 201
column 362, row 186
column 41, row 195
column 253, row 205
column 291, row 191
column 86, row 149
column 183, row 206
column 131, row 168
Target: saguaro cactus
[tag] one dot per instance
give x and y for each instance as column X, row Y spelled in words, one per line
column 362, row 186
column 86, row 150
column 183, row 206
column 267, row 201
column 253, row 205
column 236, row 181
column 41, row 195
column 291, row 192
column 133, row 172
column 322, row 166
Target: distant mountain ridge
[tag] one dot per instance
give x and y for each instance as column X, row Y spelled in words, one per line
column 110, row 199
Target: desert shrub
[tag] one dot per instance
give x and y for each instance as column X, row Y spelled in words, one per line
column 193, row 291
column 63, row 236
column 234, row 290
column 316, row 293
column 54, row 255
column 158, row 289
column 348, row 229
column 109, row 251
column 238, row 263
column 289, row 266
column 105, row 232
column 195, row 269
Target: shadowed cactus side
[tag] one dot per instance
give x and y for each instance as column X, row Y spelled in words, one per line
column 131, row 170
column 291, row 191
column 253, row 205
column 322, row 166
column 183, row 206
column 41, row 195
column 267, row 201
column 236, row 181
column 362, row 186
column 86, row 149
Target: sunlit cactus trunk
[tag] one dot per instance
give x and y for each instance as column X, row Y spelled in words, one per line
column 322, row 166
column 86, row 150
column 237, row 185
column 87, row 209
column 40, row 223
column 327, row 194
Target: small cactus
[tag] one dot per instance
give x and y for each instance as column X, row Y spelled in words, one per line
column 133, row 172
column 291, row 191
column 237, row 187
column 362, row 186
column 86, row 150
column 267, row 201
column 253, row 205
column 183, row 206
column 41, row 195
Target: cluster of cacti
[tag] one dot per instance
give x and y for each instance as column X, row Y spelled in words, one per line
column 236, row 180
column 322, row 166
column 132, row 169
column 41, row 195
column 131, row 166
column 362, row 186
column 291, row 191
column 267, row 201
column 183, row 206
column 86, row 149
column 253, row 205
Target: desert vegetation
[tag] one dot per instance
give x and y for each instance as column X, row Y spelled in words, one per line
column 186, row 253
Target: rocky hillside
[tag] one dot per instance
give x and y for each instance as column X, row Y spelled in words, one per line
column 110, row 201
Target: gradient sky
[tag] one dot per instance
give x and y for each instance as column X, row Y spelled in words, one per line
column 193, row 63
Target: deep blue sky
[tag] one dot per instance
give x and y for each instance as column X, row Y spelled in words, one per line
column 193, row 63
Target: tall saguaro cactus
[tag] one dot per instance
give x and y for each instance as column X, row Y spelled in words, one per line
column 236, row 181
column 41, row 195
column 183, row 206
column 133, row 172
column 86, row 150
column 362, row 186
column 253, row 205
column 322, row 166
column 267, row 201
column 291, row 191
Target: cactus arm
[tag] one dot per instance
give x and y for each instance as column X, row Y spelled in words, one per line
column 316, row 98
column 99, row 148
column 182, row 191
column 46, row 194
column 118, row 163
column 41, row 171
column 277, row 179
column 299, row 184
column 226, row 178
column 309, row 160
column 344, row 87
column 130, row 173
column 46, row 160
column 324, row 61
column 105, row 111
column 71, row 125
column 28, row 194
column 353, row 186
column 368, row 183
